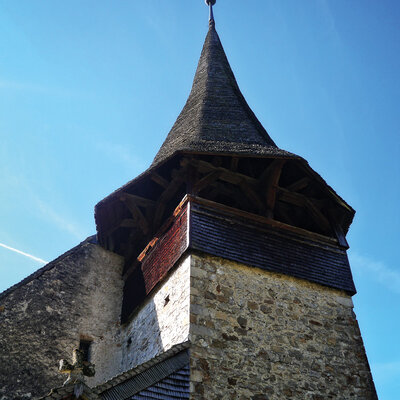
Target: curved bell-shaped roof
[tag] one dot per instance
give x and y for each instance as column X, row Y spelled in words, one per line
column 216, row 117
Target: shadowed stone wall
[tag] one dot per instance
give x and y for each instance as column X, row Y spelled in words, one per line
column 43, row 320
column 162, row 321
column 259, row 335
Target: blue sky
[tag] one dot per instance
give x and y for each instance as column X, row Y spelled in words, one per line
column 89, row 90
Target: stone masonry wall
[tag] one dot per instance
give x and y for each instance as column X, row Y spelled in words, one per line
column 162, row 321
column 42, row 321
column 259, row 335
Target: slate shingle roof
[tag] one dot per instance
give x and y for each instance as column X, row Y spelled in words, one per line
column 165, row 377
column 38, row 273
column 216, row 117
column 173, row 387
column 268, row 249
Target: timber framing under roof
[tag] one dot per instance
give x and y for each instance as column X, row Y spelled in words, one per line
column 219, row 151
column 280, row 189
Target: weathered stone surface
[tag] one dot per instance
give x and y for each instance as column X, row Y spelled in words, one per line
column 255, row 334
column 43, row 320
column 161, row 322
column 268, row 336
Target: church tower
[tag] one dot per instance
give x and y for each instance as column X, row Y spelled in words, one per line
column 240, row 247
column 220, row 272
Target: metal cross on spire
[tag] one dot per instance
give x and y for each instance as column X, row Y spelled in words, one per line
column 210, row 3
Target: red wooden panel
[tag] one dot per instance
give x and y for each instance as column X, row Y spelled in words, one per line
column 166, row 252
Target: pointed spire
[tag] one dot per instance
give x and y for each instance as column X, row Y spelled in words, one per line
column 216, row 118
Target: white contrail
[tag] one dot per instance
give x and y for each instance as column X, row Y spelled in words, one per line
column 24, row 254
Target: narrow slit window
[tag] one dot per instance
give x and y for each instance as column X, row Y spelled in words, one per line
column 84, row 347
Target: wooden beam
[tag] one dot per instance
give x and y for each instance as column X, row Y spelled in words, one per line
column 269, row 181
column 128, row 223
column 191, row 177
column 303, row 201
column 337, row 228
column 166, row 196
column 136, row 200
column 137, row 214
column 159, row 180
column 320, row 218
column 299, row 185
column 206, row 181
column 226, row 175
column 291, row 197
column 253, row 197
column 173, row 186
column 233, row 193
column 341, row 237
column 267, row 172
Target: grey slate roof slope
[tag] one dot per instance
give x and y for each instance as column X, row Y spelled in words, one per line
column 175, row 386
column 38, row 273
column 216, row 117
column 165, row 377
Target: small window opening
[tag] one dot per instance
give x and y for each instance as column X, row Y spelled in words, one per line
column 166, row 300
column 84, row 347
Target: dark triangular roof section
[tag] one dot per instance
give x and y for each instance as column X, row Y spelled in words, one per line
column 38, row 273
column 216, row 117
column 165, row 376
